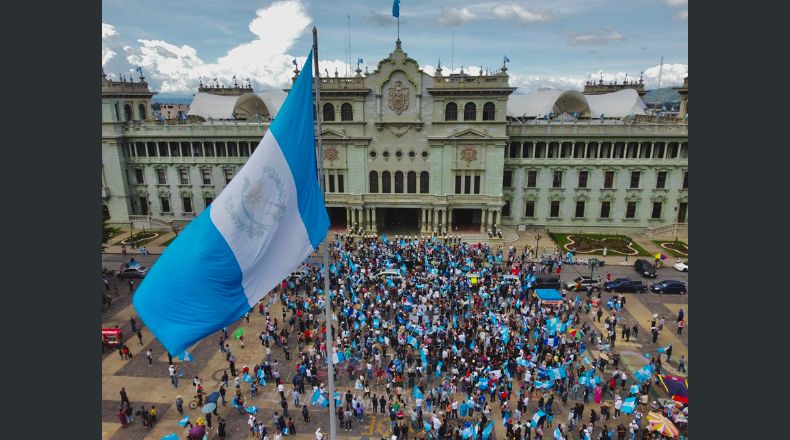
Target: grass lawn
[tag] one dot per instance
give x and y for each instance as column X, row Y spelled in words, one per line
column 593, row 244
column 142, row 238
column 677, row 249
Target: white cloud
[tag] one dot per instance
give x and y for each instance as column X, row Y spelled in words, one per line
column 110, row 43
column 453, row 16
column 671, row 75
column 265, row 59
column 682, row 15
column 595, row 38
column 533, row 83
column 676, row 2
column 522, row 14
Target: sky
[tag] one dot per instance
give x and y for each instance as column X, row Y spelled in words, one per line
column 550, row 43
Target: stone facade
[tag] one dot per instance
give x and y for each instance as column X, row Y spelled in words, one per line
column 405, row 150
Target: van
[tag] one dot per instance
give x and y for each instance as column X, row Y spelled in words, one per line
column 645, row 268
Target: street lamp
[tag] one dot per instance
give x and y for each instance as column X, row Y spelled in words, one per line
column 537, row 243
column 627, row 250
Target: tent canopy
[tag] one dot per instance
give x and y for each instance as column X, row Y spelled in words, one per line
column 612, row 105
column 548, row 294
column 246, row 106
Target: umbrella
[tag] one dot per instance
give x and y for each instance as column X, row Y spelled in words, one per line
column 604, row 356
column 660, row 256
column 207, row 408
column 213, row 397
column 662, row 425
column 239, row 332
column 197, row 431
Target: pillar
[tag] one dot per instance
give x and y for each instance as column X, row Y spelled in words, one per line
column 483, row 215
column 375, row 225
column 449, row 221
column 349, row 222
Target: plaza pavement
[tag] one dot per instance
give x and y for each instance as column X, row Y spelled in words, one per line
column 151, row 385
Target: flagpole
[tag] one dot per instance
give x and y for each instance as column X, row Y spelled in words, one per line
column 325, row 249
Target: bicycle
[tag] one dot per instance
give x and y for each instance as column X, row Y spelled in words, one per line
column 194, row 403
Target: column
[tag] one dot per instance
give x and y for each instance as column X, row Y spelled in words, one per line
column 449, row 221
column 483, row 215
column 441, row 223
column 423, row 220
column 349, row 221
column 490, row 219
column 375, row 226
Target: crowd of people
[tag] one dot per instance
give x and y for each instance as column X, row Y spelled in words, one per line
column 439, row 337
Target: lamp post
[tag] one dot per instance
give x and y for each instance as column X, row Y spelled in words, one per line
column 537, row 243
column 627, row 251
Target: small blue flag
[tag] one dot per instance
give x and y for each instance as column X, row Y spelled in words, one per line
column 396, row 8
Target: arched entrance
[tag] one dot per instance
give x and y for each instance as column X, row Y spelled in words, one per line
column 404, row 221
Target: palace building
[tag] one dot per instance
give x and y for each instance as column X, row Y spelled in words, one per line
column 405, row 151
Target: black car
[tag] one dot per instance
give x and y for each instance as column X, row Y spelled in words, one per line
column 645, row 268
column 625, row 285
column 547, row 282
column 669, row 286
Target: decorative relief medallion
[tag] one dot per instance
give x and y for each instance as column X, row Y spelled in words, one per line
column 331, row 154
column 398, row 98
column 469, row 154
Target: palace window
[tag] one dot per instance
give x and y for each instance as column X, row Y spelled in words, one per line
column 514, row 150
column 578, row 150
column 161, row 176
column 244, row 149
column 554, row 212
column 592, row 150
column 141, row 109
column 232, row 150
column 331, row 179
column 532, row 178
column 684, row 150
column 411, row 182
column 685, row 180
column 208, row 149
column 346, row 112
column 608, row 179
column 673, row 150
column 566, row 150
column 656, row 210
column 186, row 201
column 619, row 150
column 424, row 182
column 341, row 187
column 139, row 177
column 197, row 149
column 165, row 202
column 540, row 150
column 579, row 209
column 583, row 179
column 373, row 182
column 329, row 112
column 506, row 209
column 470, row 111
column 554, row 150
column 477, row 184
column 151, row 149
column 630, row 210
column 228, row 175
column 635, row 179
column 526, row 150
column 127, row 111
column 529, row 209
column 467, row 184
column 386, row 182
column 507, row 179
column 183, row 176
column 458, row 184
column 557, row 180
column 489, row 110
column 221, row 152
column 658, row 150
column 163, row 149
column 207, row 201
column 451, row 112
column 661, row 179
column 606, row 150
column 644, row 151
column 605, row 209
column 174, row 150
column 632, row 150
column 398, row 182
column 186, row 150
column 205, row 174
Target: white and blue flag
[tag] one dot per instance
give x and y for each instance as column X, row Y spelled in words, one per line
column 262, row 226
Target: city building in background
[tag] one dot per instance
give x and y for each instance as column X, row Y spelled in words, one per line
column 405, row 151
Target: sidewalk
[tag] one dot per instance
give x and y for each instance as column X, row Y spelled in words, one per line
column 154, row 247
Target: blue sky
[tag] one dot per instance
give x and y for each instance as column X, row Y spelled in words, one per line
column 550, row 43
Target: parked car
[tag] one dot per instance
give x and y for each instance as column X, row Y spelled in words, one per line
column 681, row 266
column 645, row 268
column 132, row 272
column 669, row 286
column 586, row 283
column 625, row 285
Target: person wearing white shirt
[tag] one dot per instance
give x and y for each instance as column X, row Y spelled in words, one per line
column 618, row 404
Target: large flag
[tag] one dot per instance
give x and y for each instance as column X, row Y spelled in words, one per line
column 262, row 226
column 396, row 8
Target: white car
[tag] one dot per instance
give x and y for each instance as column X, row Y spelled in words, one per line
column 394, row 273
column 681, row 266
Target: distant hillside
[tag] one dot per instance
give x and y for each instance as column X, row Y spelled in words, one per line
column 172, row 99
column 664, row 94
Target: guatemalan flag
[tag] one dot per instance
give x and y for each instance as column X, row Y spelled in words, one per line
column 262, row 226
